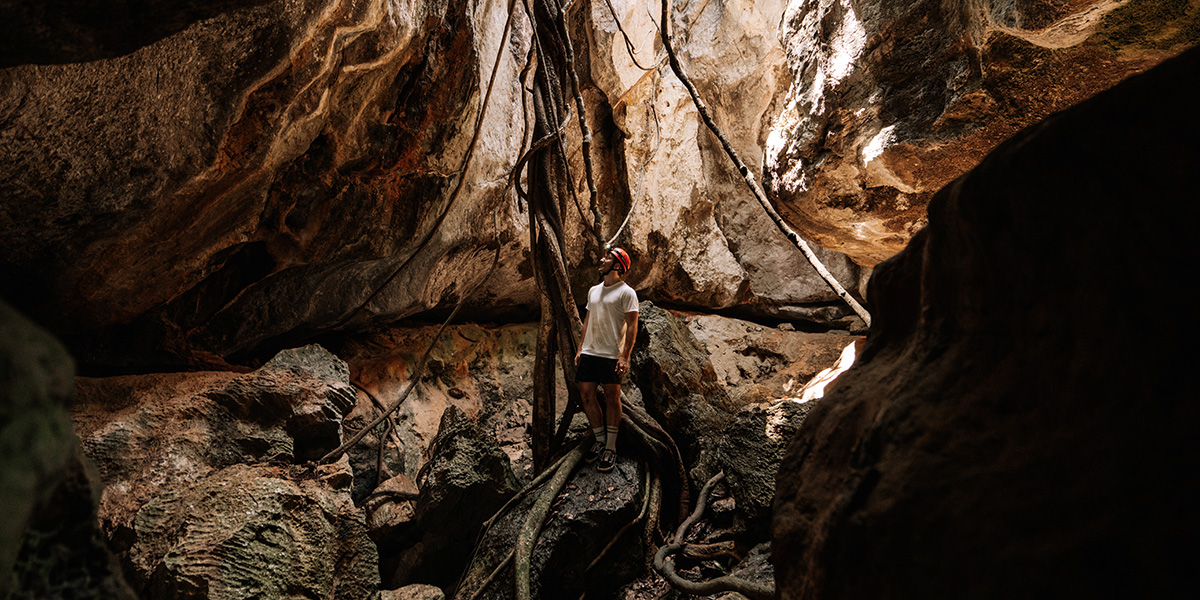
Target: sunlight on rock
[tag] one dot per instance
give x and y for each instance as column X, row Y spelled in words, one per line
column 878, row 144
column 816, row 388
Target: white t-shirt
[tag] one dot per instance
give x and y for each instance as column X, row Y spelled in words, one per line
column 606, row 308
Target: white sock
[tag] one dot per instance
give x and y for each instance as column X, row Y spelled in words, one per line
column 611, row 442
column 598, row 433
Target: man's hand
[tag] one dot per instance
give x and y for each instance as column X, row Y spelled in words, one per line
column 577, row 353
column 622, row 365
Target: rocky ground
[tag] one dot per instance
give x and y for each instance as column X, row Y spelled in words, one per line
column 207, row 483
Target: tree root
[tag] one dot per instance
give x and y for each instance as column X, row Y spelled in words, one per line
column 666, row 567
column 488, row 580
column 536, row 518
column 711, row 551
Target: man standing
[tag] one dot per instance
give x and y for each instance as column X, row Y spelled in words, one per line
column 609, row 329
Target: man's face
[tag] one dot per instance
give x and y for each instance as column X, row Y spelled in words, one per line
column 606, row 263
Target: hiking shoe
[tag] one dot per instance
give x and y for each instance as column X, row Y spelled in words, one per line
column 594, row 452
column 608, row 459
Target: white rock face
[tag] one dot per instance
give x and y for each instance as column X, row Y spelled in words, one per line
column 706, row 240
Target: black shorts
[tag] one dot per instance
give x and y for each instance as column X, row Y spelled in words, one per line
column 594, row 369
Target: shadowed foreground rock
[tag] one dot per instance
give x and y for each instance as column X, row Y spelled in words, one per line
column 50, row 543
column 588, row 513
column 467, row 478
column 1023, row 420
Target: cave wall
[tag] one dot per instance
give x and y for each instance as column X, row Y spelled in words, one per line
column 1022, row 420
column 272, row 171
column 245, row 176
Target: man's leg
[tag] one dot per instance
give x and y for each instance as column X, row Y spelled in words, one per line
column 595, row 416
column 612, row 414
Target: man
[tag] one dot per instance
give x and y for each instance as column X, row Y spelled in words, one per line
column 609, row 329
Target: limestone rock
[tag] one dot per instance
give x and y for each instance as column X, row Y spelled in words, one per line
column 485, row 371
column 1012, row 428
column 679, row 387
column 70, row 31
column 390, row 509
column 755, row 363
column 890, row 101
column 670, row 366
column 697, row 235
column 467, row 479
column 275, row 172
column 254, row 531
column 587, row 514
column 149, row 434
column 258, row 176
column 750, row 454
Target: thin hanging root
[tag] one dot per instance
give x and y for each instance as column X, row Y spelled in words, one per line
column 666, row 567
column 536, row 518
column 755, row 189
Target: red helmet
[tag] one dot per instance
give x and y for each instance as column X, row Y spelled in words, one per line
column 622, row 259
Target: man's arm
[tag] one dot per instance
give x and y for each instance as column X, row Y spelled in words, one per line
column 582, row 336
column 631, row 319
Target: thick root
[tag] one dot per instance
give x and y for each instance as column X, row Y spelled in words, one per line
column 666, row 567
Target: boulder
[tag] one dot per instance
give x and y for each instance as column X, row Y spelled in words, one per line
column 255, row 531
column 670, row 367
column 589, row 513
column 679, row 387
column 389, row 508
column 890, row 101
column 151, row 434
column 1015, row 426
column 750, row 453
column 50, row 543
column 466, row 480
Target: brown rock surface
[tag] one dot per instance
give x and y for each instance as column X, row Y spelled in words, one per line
column 67, row 31
column 255, row 531
column 295, row 150
column 891, row 101
column 155, row 434
column 1016, row 425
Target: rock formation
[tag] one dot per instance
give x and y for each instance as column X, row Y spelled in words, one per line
column 278, row 170
column 201, row 498
column 890, row 101
column 1013, row 428
column 464, row 482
